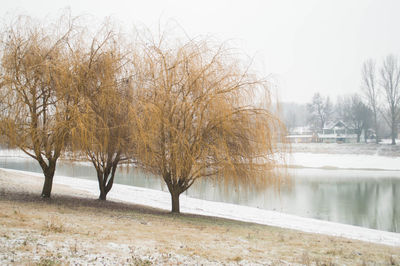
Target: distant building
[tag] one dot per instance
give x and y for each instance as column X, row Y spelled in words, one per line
column 334, row 132
column 337, row 132
column 302, row 135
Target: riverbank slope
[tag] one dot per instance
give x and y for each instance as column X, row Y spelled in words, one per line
column 74, row 227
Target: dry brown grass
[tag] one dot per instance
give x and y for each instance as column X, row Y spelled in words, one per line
column 71, row 229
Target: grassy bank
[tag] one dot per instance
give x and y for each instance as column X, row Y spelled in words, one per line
column 75, row 228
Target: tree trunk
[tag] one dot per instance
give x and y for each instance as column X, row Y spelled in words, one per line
column 175, row 202
column 376, row 128
column 175, row 189
column 105, row 184
column 102, row 186
column 393, row 133
column 358, row 137
column 365, row 136
column 110, row 182
column 48, row 182
column 103, row 195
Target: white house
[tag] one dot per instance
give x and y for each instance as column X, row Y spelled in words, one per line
column 337, row 132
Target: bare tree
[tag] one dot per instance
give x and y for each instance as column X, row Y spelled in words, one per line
column 103, row 128
column 371, row 93
column 196, row 119
column 294, row 115
column 390, row 82
column 320, row 111
column 355, row 114
column 36, row 90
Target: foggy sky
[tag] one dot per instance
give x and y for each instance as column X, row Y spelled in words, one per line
column 303, row 46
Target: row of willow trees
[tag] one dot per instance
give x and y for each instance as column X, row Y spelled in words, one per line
column 181, row 108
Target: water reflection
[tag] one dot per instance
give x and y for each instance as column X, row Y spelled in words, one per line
column 364, row 198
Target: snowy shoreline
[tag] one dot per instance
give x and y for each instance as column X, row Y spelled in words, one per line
column 343, row 161
column 161, row 200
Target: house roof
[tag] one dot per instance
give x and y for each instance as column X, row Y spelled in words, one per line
column 336, row 124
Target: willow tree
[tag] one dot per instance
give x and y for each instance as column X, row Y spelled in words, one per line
column 196, row 117
column 36, row 89
column 102, row 131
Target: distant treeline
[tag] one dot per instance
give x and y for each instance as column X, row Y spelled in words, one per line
column 376, row 107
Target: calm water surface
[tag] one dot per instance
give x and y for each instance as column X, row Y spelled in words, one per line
column 364, row 198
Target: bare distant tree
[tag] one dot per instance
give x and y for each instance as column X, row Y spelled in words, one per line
column 320, row 111
column 340, row 107
column 371, row 92
column 294, row 115
column 355, row 114
column 390, row 82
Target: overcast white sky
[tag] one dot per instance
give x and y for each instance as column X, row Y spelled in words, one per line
column 306, row 46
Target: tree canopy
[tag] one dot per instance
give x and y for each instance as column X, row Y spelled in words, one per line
column 183, row 110
column 102, row 131
column 196, row 117
column 36, row 90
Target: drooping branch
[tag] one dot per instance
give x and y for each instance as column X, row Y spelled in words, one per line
column 196, row 118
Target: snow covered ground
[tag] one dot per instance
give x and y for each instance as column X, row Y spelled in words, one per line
column 159, row 199
column 344, row 161
column 345, row 156
column 348, row 148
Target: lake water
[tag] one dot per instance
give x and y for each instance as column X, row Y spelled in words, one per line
column 364, row 198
